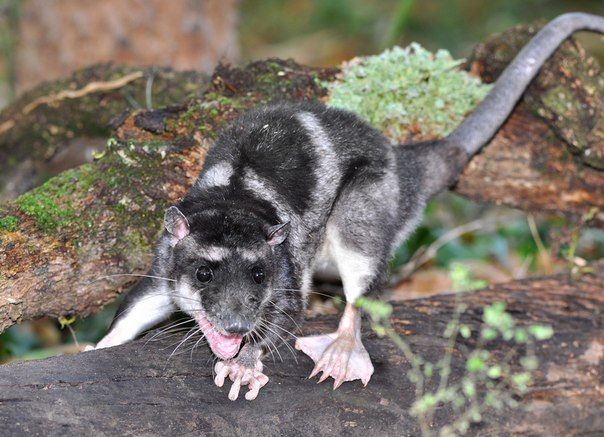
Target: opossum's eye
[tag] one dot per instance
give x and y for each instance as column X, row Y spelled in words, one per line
column 204, row 274
column 258, row 275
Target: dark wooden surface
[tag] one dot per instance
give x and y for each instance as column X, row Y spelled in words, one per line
column 136, row 390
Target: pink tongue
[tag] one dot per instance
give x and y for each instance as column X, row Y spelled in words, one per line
column 224, row 346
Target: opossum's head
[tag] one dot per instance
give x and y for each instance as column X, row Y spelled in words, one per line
column 233, row 275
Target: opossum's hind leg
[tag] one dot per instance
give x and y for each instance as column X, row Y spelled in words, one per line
column 147, row 304
column 341, row 354
column 358, row 238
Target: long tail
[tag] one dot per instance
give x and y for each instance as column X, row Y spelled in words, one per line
column 480, row 126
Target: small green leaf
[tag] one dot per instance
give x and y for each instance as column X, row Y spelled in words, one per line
column 449, row 330
column 496, row 317
column 476, row 417
column 541, row 332
column 96, row 155
column 494, row 372
column 475, row 364
column 492, row 400
column 428, row 369
column 468, row 387
column 66, row 321
column 520, row 336
column 529, row 362
column 465, row 331
column 376, row 309
column 379, row 330
column 521, row 380
column 489, row 333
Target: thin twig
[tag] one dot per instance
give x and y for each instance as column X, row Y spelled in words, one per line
column 92, row 87
column 423, row 255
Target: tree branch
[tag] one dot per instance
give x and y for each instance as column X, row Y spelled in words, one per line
column 102, row 218
column 38, row 125
column 124, row 388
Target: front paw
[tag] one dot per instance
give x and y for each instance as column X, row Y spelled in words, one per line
column 241, row 374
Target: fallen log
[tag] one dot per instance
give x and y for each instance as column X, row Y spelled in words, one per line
column 102, row 218
column 137, row 389
column 43, row 122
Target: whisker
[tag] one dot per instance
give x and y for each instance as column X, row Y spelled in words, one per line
column 283, row 340
column 100, row 278
column 168, row 329
column 337, row 298
column 267, row 338
column 183, row 342
column 176, row 342
column 265, row 341
column 284, row 312
column 168, row 335
column 282, row 328
column 331, row 296
column 195, row 345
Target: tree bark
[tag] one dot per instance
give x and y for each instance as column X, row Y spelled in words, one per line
column 137, row 389
column 549, row 156
column 39, row 126
column 58, row 37
column 102, row 218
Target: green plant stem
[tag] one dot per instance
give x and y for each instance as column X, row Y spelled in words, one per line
column 401, row 17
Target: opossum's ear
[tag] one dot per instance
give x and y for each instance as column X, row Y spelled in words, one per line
column 277, row 234
column 176, row 224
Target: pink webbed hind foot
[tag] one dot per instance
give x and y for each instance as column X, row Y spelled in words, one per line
column 341, row 354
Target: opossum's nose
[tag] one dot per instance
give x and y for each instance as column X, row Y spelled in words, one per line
column 237, row 326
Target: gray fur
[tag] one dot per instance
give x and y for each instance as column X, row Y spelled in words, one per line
column 478, row 128
column 344, row 195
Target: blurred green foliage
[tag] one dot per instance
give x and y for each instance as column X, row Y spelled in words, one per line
column 490, row 380
column 364, row 27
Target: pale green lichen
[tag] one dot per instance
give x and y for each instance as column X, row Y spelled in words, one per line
column 408, row 90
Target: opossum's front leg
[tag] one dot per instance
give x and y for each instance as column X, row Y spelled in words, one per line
column 244, row 369
column 147, row 304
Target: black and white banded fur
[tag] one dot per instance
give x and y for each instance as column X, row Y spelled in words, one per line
column 290, row 189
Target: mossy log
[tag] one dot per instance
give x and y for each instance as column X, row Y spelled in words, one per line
column 42, row 122
column 59, row 241
column 549, row 156
column 137, row 389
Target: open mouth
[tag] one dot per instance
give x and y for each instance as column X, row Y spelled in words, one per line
column 224, row 346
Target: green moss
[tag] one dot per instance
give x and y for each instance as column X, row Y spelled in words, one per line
column 125, row 174
column 43, row 209
column 408, row 90
column 51, row 204
column 560, row 103
column 9, row 223
column 134, row 242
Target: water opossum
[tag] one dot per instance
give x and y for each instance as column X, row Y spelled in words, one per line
column 286, row 187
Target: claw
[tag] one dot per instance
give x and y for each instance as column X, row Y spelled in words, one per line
column 222, row 371
column 241, row 375
column 339, row 356
column 338, row 382
column 314, row 372
column 234, row 392
column 323, row 377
